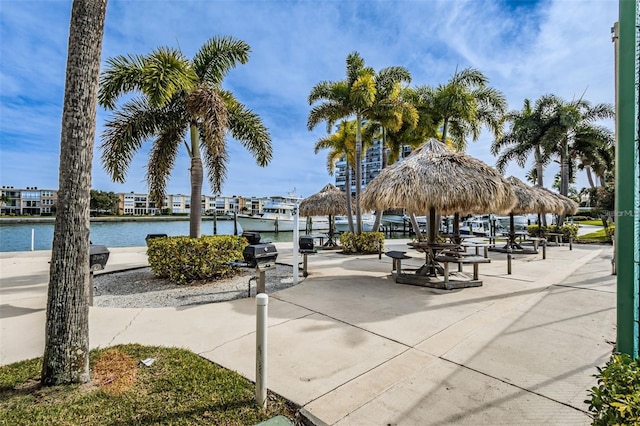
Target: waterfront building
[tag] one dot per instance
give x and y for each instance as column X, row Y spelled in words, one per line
column 41, row 202
column 27, row 201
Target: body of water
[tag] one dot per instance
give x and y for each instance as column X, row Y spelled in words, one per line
column 17, row 236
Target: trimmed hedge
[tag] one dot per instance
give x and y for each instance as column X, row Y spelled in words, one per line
column 367, row 242
column 616, row 398
column 184, row 259
column 566, row 230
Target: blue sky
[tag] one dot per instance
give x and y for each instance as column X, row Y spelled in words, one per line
column 526, row 48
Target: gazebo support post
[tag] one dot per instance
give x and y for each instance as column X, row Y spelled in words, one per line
column 456, row 227
column 432, row 225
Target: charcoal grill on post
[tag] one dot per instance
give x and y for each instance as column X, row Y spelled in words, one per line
column 262, row 257
column 305, row 247
column 98, row 257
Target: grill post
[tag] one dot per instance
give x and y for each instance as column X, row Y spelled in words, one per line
column 261, row 284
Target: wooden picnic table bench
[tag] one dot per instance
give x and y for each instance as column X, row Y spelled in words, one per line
column 555, row 236
column 461, row 260
column 397, row 257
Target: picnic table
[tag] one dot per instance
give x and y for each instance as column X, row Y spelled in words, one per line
column 431, row 266
column 477, row 245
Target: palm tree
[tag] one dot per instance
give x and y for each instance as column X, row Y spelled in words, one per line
column 525, row 136
column 572, row 128
column 179, row 97
column 464, row 104
column 66, row 351
column 357, row 96
column 391, row 113
column 341, row 144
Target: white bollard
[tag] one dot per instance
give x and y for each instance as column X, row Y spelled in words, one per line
column 296, row 261
column 262, row 302
column 33, row 238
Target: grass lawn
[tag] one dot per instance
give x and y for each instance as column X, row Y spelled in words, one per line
column 180, row 387
column 590, row 222
column 598, row 236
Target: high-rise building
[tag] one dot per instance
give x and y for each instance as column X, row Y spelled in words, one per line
column 371, row 167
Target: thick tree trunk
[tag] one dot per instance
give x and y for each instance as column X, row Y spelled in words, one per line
column 197, row 176
column 383, row 159
column 358, row 167
column 66, row 352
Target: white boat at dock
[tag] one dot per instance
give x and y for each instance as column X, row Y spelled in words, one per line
column 277, row 216
column 342, row 223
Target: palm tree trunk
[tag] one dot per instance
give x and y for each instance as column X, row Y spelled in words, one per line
column 197, row 176
column 358, row 167
column 539, row 167
column 564, row 174
column 416, row 227
column 347, row 182
column 376, row 224
column 445, row 123
column 587, row 168
column 66, row 351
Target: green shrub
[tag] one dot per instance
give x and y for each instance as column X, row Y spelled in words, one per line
column 367, row 242
column 565, row 230
column 184, row 259
column 610, row 231
column 616, row 398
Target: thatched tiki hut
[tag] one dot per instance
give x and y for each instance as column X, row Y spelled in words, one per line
column 330, row 201
column 530, row 199
column 436, row 179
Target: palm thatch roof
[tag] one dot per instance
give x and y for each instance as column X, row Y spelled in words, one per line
column 531, row 199
column 434, row 176
column 329, row 201
column 568, row 206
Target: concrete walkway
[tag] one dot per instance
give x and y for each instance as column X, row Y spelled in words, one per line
column 354, row 348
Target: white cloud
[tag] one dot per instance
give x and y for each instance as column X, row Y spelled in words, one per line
column 526, row 48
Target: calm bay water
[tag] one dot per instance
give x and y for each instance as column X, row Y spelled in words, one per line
column 17, row 236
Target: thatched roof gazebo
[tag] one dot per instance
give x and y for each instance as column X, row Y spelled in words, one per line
column 529, row 199
column 567, row 205
column 436, row 179
column 330, row 201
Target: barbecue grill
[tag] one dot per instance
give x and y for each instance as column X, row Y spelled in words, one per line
column 98, row 256
column 252, row 237
column 260, row 256
column 305, row 244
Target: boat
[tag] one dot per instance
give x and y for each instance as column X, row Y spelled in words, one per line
column 342, row 223
column 277, row 216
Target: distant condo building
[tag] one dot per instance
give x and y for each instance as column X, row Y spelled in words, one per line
column 27, row 201
column 371, row 167
column 31, row 201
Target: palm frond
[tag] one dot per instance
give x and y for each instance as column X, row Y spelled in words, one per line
column 247, row 128
column 217, row 57
column 128, row 128
column 162, row 158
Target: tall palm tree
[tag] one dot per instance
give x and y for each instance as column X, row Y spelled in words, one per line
column 341, row 144
column 356, row 96
column 179, row 97
column 594, row 152
column 66, row 351
column 574, row 125
column 391, row 112
column 525, row 136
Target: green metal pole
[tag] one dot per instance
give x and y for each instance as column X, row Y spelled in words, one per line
column 627, row 180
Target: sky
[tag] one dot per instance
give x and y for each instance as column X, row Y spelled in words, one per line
column 526, row 48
